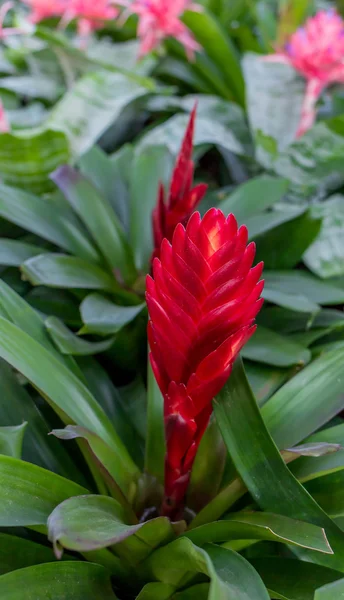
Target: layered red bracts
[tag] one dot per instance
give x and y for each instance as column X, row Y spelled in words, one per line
column 202, row 301
column 183, row 198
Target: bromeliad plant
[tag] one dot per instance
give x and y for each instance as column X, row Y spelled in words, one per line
column 180, row 492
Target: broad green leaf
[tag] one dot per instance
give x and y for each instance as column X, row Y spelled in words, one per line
column 313, row 162
column 289, row 579
column 103, row 317
column 38, row 447
column 99, row 218
column 171, row 132
column 195, row 592
column 14, row 252
column 219, row 48
column 61, row 387
column 157, row 591
column 46, row 219
column 264, row 380
column 91, row 106
column 63, row 271
column 267, row 346
column 331, row 591
column 231, row 575
column 325, row 257
column 261, row 526
column 266, row 222
column 69, row 343
column 328, row 491
column 296, row 234
column 281, row 297
column 87, row 523
column 263, row 470
column 27, row 158
column 108, row 174
column 302, row 283
column 307, row 401
column 111, row 463
column 72, row 580
column 31, row 86
column 254, row 196
column 59, row 303
column 151, row 166
column 29, row 494
column 125, row 407
column 270, row 110
column 288, row 321
column 155, row 440
column 18, row 553
column 11, row 440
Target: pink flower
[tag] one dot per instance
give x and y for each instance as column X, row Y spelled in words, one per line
column 4, row 124
column 44, row 9
column 159, row 19
column 90, row 14
column 316, row 51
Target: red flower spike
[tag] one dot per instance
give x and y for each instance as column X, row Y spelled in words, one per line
column 183, row 198
column 202, row 301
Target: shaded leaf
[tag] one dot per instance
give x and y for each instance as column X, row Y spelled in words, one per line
column 269, row 347
column 69, row 343
column 11, row 440
column 103, row 317
column 17, row 553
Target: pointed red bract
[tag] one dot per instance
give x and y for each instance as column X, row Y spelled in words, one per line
column 182, row 199
column 202, row 301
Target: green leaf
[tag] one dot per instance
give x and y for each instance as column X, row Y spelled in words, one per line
column 38, row 447
column 46, row 219
column 13, row 252
column 17, row 553
column 72, row 580
column 11, row 440
column 263, row 470
column 296, row 234
column 155, row 441
column 156, row 591
column 87, row 523
column 269, row 347
column 325, row 257
column 243, row 201
column 27, row 158
column 99, row 218
column 195, row 592
column 264, row 380
column 207, row 131
column 331, row 591
column 297, row 302
column 62, row 271
column 103, row 317
column 91, row 106
column 259, row 526
column 112, row 464
column 219, row 48
column 302, row 283
column 151, row 166
column 313, row 162
column 279, row 215
column 307, row 401
column 60, row 386
column 59, row 303
column 270, row 110
column 69, row 343
column 292, row 579
column 29, row 494
column 231, row 575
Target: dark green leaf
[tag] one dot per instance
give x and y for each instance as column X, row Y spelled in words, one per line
column 99, row 218
column 62, row 271
column 29, row 494
column 72, row 580
column 261, row 526
column 269, row 347
column 13, row 252
column 27, row 158
column 69, row 343
column 301, row 283
column 307, row 401
column 253, row 197
column 155, row 441
column 17, row 553
column 263, row 470
column 103, row 317
column 331, row 591
column 325, row 257
column 151, row 166
column 11, row 440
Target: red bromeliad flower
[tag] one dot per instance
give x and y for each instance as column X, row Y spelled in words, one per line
column 90, row 14
column 202, row 302
column 316, row 51
column 4, row 124
column 183, row 198
column 45, row 9
column 159, row 19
